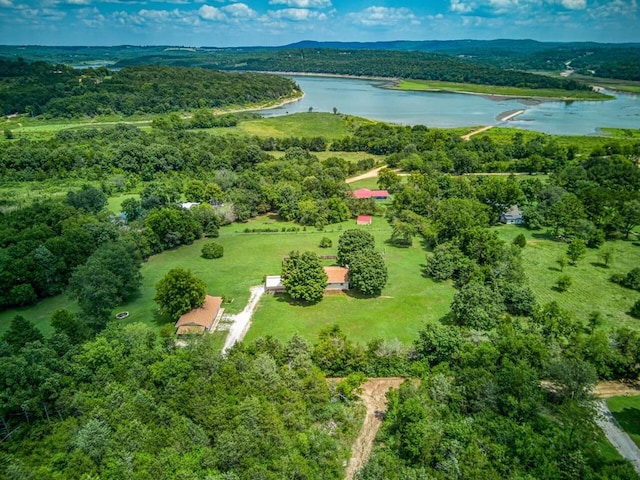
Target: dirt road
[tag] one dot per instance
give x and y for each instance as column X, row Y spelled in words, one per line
column 373, row 396
column 242, row 321
column 617, row 388
column 370, row 174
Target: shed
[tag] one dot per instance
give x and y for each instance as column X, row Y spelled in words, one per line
column 273, row 284
column 363, row 220
column 202, row 319
column 337, row 278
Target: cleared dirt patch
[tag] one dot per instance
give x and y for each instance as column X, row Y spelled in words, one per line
column 373, row 395
column 617, row 388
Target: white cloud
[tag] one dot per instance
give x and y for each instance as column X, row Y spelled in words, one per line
column 616, row 8
column 302, row 3
column 239, row 10
column 574, row 4
column 297, row 14
column 383, row 17
column 211, row 13
column 460, row 7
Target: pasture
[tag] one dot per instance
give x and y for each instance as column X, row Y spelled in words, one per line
column 591, row 290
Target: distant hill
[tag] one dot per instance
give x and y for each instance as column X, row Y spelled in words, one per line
column 613, row 60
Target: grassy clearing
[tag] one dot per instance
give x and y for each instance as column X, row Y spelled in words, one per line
column 591, row 289
column 435, row 86
column 114, row 203
column 622, row 132
column 626, row 411
column 408, row 302
column 352, row 157
column 298, row 125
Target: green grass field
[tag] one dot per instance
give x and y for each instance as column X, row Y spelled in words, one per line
column 408, row 301
column 591, row 289
column 435, row 86
column 298, row 125
column 626, row 411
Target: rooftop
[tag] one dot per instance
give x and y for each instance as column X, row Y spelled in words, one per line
column 203, row 316
column 337, row 274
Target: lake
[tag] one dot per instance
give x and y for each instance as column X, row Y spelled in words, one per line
column 365, row 98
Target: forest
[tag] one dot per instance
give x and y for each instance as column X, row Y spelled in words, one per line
column 389, row 64
column 40, row 88
column 499, row 387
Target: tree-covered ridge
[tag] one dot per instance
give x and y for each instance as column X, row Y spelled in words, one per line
column 392, row 64
column 60, row 91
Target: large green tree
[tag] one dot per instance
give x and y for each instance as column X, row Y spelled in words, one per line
column 368, row 272
column 353, row 242
column 110, row 276
column 477, row 306
column 303, row 276
column 179, row 292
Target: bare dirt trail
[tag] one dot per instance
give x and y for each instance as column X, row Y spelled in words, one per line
column 617, row 388
column 370, row 174
column 373, row 395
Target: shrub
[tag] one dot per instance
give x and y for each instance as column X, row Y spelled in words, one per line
column 617, row 278
column 635, row 309
column 326, row 242
column 564, row 282
column 212, row 250
column 632, row 279
column 520, row 240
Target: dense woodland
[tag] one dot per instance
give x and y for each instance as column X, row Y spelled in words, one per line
column 60, row 91
column 389, row 64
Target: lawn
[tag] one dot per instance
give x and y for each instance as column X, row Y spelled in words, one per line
column 408, row 302
column 626, row 411
column 591, row 289
column 430, row 85
column 317, row 124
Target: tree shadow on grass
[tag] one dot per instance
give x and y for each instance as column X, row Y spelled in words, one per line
column 542, row 236
column 160, row 319
column 286, row 298
column 629, row 419
column 599, row 265
column 396, row 244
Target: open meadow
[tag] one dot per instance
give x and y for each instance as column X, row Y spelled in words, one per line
column 591, row 290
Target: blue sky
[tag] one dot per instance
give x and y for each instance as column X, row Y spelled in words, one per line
column 276, row 22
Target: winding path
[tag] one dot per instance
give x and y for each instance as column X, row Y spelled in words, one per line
column 373, row 395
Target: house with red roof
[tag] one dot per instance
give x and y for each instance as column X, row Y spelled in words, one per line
column 366, row 193
column 364, row 220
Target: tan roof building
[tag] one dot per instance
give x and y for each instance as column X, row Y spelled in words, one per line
column 202, row 319
column 337, row 278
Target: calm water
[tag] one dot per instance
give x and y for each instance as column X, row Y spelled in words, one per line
column 364, row 98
